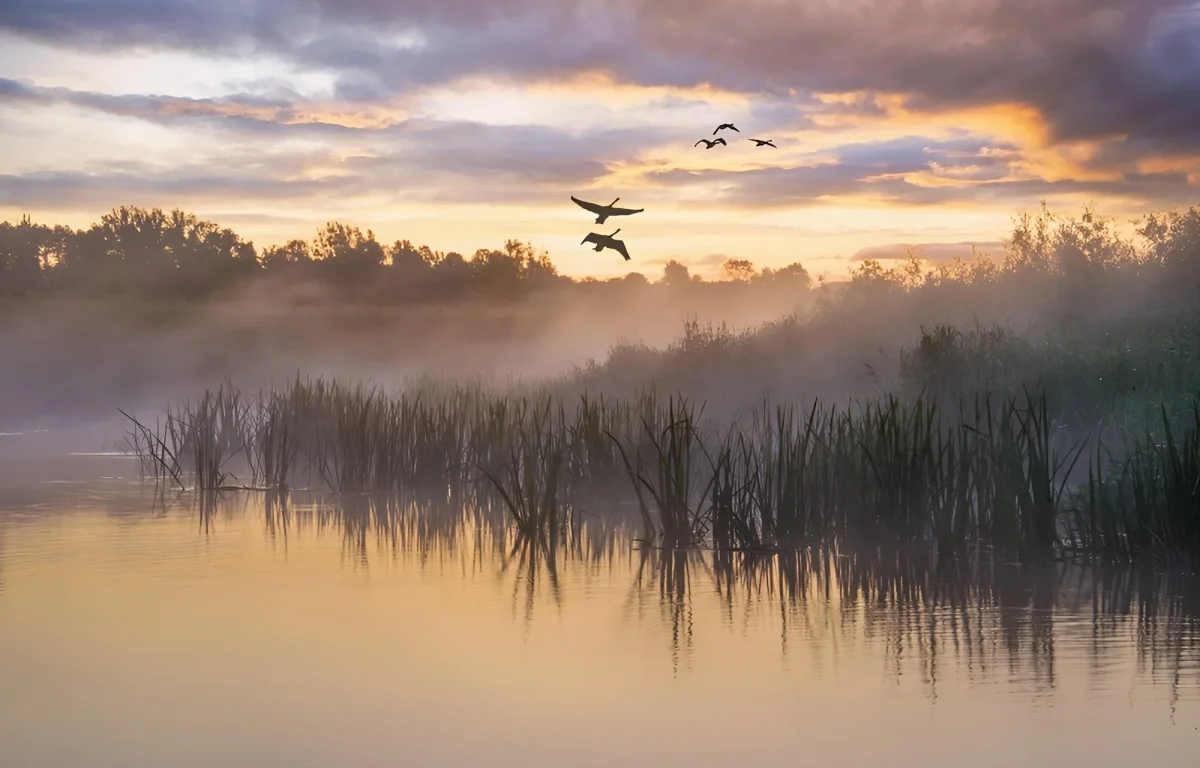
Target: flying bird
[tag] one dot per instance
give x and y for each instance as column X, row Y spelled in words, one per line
column 607, row 241
column 763, row 143
column 722, row 126
column 709, row 144
column 604, row 211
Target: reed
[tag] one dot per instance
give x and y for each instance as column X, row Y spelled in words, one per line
column 998, row 472
column 666, row 464
column 1146, row 504
column 530, row 485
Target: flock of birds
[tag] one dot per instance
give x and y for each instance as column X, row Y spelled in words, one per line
column 714, row 142
column 604, row 211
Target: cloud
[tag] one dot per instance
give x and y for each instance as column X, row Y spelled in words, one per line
column 1124, row 70
column 914, row 171
column 852, row 169
column 238, row 112
column 378, row 103
column 417, row 160
column 148, row 186
column 412, row 157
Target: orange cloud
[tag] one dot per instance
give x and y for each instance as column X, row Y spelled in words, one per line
column 875, row 116
column 374, row 117
column 603, row 87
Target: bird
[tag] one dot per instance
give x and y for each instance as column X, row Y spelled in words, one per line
column 722, row 126
column 709, row 144
column 604, row 211
column 763, row 143
column 607, row 241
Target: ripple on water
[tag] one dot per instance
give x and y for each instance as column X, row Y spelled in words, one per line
column 323, row 636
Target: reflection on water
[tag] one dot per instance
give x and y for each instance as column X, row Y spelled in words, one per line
column 259, row 630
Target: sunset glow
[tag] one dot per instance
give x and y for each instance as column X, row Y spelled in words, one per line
column 464, row 123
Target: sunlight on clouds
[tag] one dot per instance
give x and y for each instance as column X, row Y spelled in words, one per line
column 387, row 180
column 1038, row 155
column 61, row 136
column 1180, row 163
column 583, row 102
column 604, row 88
column 331, row 113
column 171, row 73
column 1017, row 123
column 67, row 137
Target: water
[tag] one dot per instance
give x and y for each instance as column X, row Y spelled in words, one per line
column 130, row 636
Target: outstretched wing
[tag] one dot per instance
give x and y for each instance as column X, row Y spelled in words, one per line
column 619, row 247
column 584, row 204
column 624, row 211
column 720, row 141
column 733, row 127
column 703, row 141
column 592, row 238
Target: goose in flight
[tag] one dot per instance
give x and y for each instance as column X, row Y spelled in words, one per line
column 709, row 144
column 607, row 241
column 723, row 126
column 604, row 211
column 763, row 142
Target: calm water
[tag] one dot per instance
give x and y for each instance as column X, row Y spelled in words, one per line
column 130, row 636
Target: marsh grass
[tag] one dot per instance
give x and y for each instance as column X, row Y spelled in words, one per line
column 530, row 485
column 198, row 439
column 1146, row 504
column 665, row 464
column 997, row 474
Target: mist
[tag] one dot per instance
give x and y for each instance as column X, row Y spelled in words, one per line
column 145, row 326
column 345, row 306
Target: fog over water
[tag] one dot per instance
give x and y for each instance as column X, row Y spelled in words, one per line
column 322, row 634
column 327, row 438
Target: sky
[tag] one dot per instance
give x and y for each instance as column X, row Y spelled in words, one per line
column 463, row 123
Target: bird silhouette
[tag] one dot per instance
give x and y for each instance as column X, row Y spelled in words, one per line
column 607, row 241
column 763, row 142
column 709, row 144
column 722, row 126
column 604, row 211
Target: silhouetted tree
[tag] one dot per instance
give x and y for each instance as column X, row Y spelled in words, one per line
column 152, row 252
column 675, row 273
column 22, row 251
column 1174, row 245
column 350, row 258
column 741, row 270
column 793, row 276
column 287, row 256
column 452, row 276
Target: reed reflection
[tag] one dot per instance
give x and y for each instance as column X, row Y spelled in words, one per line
column 977, row 620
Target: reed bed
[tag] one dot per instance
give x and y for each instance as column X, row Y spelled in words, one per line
column 994, row 474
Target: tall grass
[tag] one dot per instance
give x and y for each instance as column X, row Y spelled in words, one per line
column 1146, row 505
column 995, row 474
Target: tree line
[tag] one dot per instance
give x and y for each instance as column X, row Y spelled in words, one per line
column 174, row 254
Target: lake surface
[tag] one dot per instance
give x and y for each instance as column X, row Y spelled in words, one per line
column 240, row 635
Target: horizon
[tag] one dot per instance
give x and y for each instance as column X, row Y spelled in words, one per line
column 463, row 125
column 336, row 430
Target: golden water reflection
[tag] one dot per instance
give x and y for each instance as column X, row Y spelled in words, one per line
column 378, row 632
